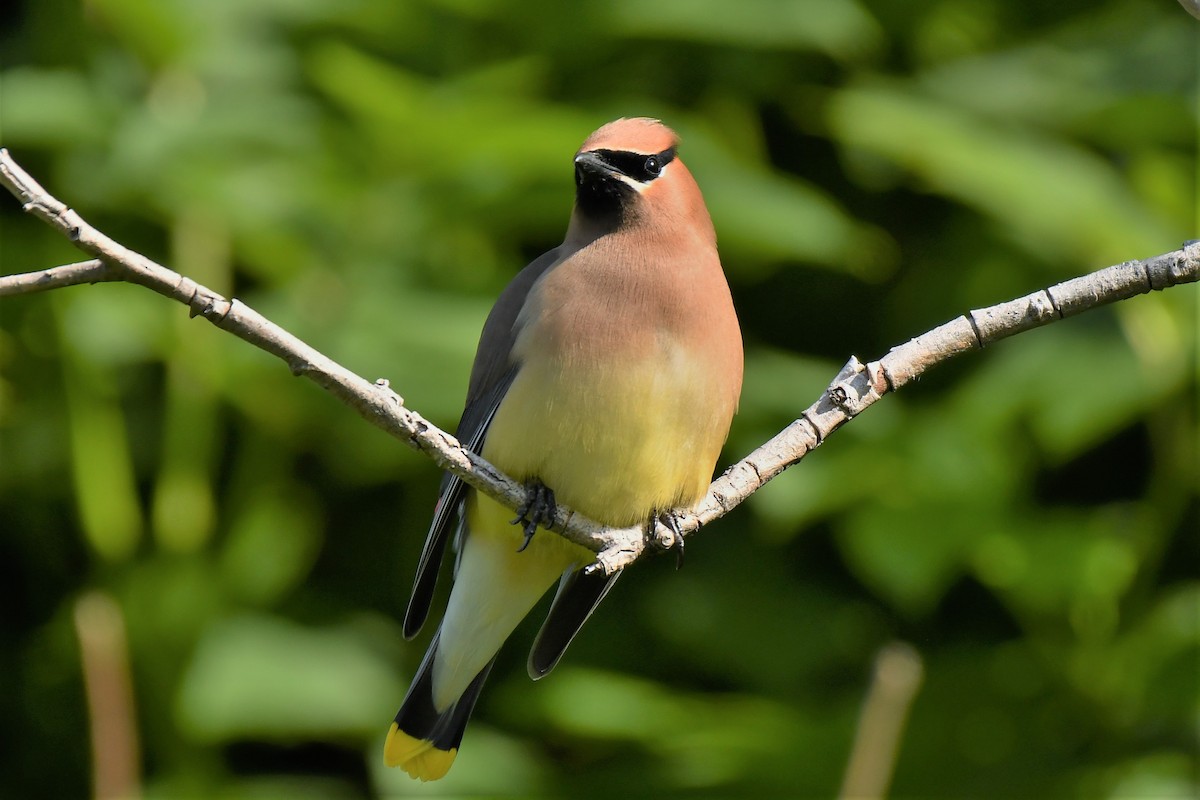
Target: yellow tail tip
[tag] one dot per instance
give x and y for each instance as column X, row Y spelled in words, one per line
column 418, row 757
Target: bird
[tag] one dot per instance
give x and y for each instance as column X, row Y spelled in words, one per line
column 606, row 379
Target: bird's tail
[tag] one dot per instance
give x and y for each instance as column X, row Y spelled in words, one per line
column 424, row 741
column 578, row 595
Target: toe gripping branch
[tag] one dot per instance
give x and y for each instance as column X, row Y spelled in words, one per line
column 671, row 522
column 538, row 509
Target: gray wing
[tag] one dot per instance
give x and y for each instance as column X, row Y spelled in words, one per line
column 491, row 375
column 471, row 431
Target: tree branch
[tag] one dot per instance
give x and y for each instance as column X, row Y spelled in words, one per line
column 92, row 271
column 853, row 390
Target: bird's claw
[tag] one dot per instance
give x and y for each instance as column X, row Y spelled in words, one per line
column 538, row 509
column 668, row 519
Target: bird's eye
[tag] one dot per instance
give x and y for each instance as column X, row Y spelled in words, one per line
column 652, row 167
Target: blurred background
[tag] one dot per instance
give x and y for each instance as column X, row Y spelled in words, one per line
column 228, row 549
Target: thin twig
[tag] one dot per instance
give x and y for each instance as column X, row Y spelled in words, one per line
column 855, row 388
column 92, row 271
column 894, row 686
column 103, row 648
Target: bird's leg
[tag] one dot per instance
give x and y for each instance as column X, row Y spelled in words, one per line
column 668, row 519
column 538, row 509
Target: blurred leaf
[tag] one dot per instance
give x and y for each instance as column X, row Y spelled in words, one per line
column 271, row 544
column 840, row 28
column 102, row 467
column 1159, row 775
column 299, row 787
column 147, row 25
column 259, row 676
column 698, row 741
column 1056, row 199
column 910, row 559
column 1076, row 386
column 43, row 107
column 782, row 218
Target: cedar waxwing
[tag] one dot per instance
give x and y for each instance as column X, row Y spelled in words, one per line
column 606, row 379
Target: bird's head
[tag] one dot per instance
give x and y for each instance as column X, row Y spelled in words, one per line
column 629, row 174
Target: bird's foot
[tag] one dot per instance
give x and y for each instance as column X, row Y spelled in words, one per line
column 668, row 519
column 538, row 509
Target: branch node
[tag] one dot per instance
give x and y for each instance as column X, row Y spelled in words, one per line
column 205, row 307
column 886, row 375
column 814, row 429
column 416, row 439
column 1173, row 268
column 385, row 388
column 1044, row 299
column 851, row 368
column 979, row 339
column 1054, row 301
column 754, row 468
column 879, row 378
column 840, row 397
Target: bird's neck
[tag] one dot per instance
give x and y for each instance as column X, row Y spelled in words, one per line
column 586, row 228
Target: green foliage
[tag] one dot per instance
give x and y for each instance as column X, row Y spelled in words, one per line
column 369, row 174
column 247, row 673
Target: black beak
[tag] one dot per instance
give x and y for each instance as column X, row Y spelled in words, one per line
column 589, row 166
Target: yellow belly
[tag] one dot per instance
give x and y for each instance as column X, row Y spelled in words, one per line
column 616, row 441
